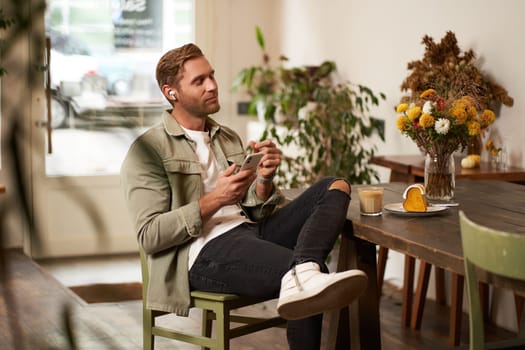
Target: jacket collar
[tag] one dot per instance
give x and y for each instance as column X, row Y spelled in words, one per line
column 173, row 127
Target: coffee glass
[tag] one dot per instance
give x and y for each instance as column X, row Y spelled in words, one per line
column 371, row 200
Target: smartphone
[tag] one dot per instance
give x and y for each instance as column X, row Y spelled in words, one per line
column 250, row 162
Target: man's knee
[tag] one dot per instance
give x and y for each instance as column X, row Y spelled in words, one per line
column 340, row 185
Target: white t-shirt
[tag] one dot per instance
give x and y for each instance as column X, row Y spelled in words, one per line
column 225, row 218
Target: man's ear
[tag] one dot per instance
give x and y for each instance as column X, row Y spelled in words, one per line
column 169, row 92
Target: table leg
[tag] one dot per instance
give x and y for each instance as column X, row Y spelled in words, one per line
column 421, row 294
column 456, row 302
column 484, row 292
column 338, row 320
column 408, row 290
column 382, row 257
column 364, row 314
column 441, row 297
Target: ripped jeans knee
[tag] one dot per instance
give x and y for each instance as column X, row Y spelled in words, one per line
column 340, row 185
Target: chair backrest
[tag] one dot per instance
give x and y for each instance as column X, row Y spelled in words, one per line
column 498, row 252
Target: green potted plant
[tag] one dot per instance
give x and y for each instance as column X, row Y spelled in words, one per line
column 330, row 133
column 324, row 127
column 260, row 82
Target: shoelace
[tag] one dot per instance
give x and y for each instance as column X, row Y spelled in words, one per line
column 297, row 283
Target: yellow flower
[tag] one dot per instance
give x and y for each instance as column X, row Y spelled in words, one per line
column 427, row 92
column 473, row 128
column 489, row 145
column 413, row 113
column 458, row 111
column 402, row 123
column 487, row 117
column 401, row 107
column 449, row 123
column 426, row 121
column 472, row 112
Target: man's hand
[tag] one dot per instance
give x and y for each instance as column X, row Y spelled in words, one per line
column 267, row 167
column 231, row 188
column 271, row 160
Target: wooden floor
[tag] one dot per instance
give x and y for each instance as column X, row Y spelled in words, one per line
column 34, row 305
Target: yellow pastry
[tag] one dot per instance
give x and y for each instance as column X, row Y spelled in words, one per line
column 414, row 198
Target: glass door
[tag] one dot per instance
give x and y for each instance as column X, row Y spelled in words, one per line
column 102, row 95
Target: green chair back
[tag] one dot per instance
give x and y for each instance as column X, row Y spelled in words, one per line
column 498, row 252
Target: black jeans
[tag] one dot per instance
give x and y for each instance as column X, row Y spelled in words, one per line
column 251, row 259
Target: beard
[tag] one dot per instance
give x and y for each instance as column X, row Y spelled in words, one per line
column 200, row 109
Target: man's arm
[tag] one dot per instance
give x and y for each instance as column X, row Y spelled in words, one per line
column 161, row 220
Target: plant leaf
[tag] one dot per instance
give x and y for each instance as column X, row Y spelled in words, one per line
column 260, row 37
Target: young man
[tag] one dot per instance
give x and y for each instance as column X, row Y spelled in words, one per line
column 206, row 226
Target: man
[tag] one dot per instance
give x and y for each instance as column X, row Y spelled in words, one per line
column 205, row 226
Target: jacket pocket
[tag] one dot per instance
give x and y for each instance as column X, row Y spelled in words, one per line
column 185, row 179
column 182, row 166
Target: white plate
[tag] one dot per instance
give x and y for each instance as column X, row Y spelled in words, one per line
column 397, row 208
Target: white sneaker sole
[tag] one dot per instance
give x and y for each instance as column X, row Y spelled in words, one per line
column 339, row 293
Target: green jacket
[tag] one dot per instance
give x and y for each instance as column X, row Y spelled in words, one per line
column 161, row 180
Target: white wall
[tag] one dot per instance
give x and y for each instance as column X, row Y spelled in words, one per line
column 233, row 46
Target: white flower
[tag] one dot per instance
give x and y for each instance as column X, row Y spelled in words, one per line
column 442, row 126
column 427, row 107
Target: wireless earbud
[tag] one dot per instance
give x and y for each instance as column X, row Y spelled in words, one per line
column 172, row 94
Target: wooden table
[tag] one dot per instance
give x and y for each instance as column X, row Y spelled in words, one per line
column 411, row 168
column 435, row 239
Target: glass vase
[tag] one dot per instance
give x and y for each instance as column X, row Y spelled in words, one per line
column 440, row 177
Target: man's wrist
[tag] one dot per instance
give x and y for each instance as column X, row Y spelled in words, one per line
column 264, row 180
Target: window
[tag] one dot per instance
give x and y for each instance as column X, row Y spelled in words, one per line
column 103, row 57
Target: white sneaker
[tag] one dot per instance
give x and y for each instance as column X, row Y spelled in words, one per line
column 306, row 291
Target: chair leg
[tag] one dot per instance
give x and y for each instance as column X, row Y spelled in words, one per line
column 408, row 290
column 222, row 328
column 421, row 293
column 382, row 257
column 148, row 321
column 207, row 325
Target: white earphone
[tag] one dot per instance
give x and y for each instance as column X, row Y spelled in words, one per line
column 172, row 94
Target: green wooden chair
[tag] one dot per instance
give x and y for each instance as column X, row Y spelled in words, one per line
column 497, row 252
column 215, row 307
